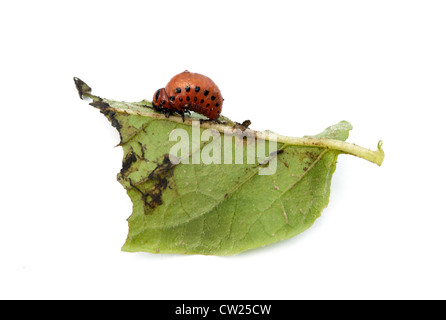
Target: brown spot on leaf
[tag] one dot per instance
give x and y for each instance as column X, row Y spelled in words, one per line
column 127, row 162
column 160, row 175
column 143, row 149
column 106, row 110
column 312, row 155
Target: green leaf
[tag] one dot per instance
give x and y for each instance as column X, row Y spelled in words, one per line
column 219, row 209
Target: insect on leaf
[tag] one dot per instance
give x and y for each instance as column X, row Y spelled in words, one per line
column 274, row 189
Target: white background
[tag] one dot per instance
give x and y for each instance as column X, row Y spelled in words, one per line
column 294, row 67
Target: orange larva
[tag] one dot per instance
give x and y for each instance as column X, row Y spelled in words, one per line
column 190, row 91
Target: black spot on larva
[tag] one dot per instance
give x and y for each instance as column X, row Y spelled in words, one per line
column 207, row 106
column 163, row 102
column 217, row 104
column 178, row 90
column 172, row 98
column 157, row 94
column 181, row 99
column 205, row 92
column 188, row 98
column 212, row 98
column 195, row 99
column 201, row 101
column 197, row 89
column 187, row 89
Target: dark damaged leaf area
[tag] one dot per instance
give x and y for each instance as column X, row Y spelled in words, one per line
column 153, row 192
column 214, row 209
column 146, row 173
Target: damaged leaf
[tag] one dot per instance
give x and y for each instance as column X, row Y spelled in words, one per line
column 184, row 206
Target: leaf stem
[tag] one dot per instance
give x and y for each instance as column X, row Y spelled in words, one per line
column 144, row 108
column 375, row 156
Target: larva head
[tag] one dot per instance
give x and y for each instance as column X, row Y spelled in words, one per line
column 159, row 98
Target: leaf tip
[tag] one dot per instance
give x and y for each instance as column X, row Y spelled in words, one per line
column 82, row 87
